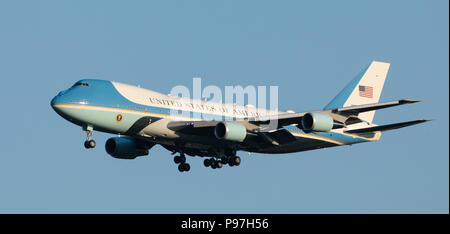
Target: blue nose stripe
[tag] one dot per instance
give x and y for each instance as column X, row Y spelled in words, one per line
column 54, row 100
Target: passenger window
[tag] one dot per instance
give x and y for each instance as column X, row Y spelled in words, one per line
column 80, row 84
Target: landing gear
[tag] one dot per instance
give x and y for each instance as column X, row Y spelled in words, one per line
column 214, row 159
column 234, row 161
column 184, row 167
column 224, row 160
column 207, row 162
column 218, row 164
column 214, row 163
column 181, row 159
column 89, row 143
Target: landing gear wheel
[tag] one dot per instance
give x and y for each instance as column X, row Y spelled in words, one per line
column 236, row 160
column 224, row 160
column 92, row 144
column 177, row 159
column 180, row 167
column 207, row 162
column 89, row 144
column 213, row 164
column 184, row 167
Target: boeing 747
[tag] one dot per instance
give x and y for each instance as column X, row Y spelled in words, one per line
column 143, row 118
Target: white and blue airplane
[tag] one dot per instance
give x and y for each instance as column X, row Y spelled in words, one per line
column 143, row 118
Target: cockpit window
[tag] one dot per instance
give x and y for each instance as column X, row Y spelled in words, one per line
column 81, row 84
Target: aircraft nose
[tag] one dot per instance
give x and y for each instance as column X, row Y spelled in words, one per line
column 57, row 100
column 57, row 103
column 53, row 102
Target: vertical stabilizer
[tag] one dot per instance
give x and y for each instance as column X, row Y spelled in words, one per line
column 363, row 89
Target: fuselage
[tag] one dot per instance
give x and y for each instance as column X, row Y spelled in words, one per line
column 123, row 109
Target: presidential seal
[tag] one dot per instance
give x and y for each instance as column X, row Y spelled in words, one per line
column 119, row 117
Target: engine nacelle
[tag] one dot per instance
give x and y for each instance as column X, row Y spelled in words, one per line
column 230, row 131
column 124, row 148
column 318, row 122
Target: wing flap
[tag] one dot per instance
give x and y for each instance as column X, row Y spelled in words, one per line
column 179, row 125
column 278, row 137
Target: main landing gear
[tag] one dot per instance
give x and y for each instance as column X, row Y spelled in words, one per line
column 214, row 163
column 89, row 143
column 214, row 158
column 181, row 160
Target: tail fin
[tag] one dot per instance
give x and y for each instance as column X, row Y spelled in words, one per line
column 363, row 89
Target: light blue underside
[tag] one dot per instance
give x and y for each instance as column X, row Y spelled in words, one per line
column 348, row 139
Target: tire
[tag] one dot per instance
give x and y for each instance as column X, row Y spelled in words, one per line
column 186, row 166
column 219, row 164
column 237, row 161
column 181, row 167
column 177, row 159
column 224, row 160
column 207, row 162
column 182, row 159
column 92, row 144
column 86, row 145
column 213, row 164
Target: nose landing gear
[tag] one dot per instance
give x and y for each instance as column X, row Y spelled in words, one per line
column 89, row 143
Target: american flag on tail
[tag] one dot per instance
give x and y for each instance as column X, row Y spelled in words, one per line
column 365, row 91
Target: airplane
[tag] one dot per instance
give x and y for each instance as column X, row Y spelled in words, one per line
column 143, row 118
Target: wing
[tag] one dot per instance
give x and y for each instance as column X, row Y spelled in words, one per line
column 345, row 115
column 263, row 130
column 206, row 128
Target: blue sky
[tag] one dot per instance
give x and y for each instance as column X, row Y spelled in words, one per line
column 309, row 49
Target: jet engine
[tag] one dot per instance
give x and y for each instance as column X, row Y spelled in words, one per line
column 316, row 121
column 230, row 131
column 125, row 148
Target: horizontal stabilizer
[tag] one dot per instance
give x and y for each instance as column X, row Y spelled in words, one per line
column 387, row 127
column 355, row 110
